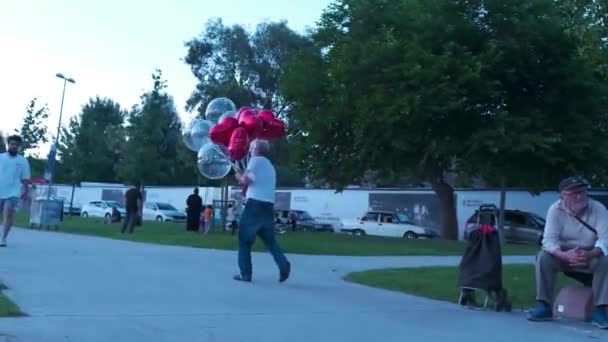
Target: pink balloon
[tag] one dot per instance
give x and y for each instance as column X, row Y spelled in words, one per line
column 242, row 110
column 267, row 116
column 239, row 144
column 274, row 129
column 221, row 133
column 251, row 123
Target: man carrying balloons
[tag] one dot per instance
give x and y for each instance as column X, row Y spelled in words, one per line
column 230, row 139
column 258, row 216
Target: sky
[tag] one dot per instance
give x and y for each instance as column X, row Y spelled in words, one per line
column 112, row 47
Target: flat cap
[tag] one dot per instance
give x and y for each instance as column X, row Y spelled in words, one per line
column 572, row 182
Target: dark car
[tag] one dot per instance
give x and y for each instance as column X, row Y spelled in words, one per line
column 304, row 221
column 520, row 226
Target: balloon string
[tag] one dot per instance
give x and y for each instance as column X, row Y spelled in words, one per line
column 235, row 167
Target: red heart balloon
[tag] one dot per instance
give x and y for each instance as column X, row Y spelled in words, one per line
column 239, row 144
column 221, row 133
column 267, row 116
column 229, row 120
column 252, row 123
column 242, row 110
column 274, row 129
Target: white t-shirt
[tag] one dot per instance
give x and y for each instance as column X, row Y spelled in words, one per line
column 12, row 171
column 230, row 214
column 262, row 179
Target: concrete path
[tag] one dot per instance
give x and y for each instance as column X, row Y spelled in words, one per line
column 84, row 289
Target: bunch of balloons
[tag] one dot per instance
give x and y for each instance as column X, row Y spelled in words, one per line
column 223, row 138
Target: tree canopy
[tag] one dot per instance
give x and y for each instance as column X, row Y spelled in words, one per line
column 424, row 88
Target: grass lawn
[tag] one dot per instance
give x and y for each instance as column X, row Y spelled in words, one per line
column 298, row 242
column 7, row 308
column 441, row 282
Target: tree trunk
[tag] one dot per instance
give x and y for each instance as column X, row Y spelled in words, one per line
column 71, row 201
column 447, row 205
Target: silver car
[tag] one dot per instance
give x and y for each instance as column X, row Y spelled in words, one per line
column 520, row 226
column 159, row 211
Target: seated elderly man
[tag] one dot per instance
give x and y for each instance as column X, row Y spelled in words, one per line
column 575, row 240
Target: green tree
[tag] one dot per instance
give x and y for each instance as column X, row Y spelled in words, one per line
column 549, row 116
column 391, row 90
column 88, row 145
column 154, row 153
column 34, row 129
column 423, row 88
column 247, row 68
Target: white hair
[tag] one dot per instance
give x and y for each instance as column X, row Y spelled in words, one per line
column 262, row 145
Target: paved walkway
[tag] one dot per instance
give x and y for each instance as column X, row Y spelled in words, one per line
column 84, row 289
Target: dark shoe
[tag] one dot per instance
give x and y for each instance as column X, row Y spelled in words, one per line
column 540, row 313
column 284, row 274
column 241, row 278
column 599, row 319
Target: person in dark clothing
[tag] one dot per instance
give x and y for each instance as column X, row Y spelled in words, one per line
column 193, row 212
column 114, row 218
column 293, row 221
column 133, row 199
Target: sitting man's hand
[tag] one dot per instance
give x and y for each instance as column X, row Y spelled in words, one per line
column 577, row 258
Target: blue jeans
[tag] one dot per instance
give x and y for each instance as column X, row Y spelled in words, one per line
column 258, row 219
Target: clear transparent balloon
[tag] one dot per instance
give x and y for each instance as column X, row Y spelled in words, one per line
column 217, row 107
column 199, row 133
column 187, row 139
column 213, row 161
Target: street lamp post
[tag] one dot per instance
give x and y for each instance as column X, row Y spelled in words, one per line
column 65, row 81
column 53, row 151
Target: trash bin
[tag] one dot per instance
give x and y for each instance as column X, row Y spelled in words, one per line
column 46, row 213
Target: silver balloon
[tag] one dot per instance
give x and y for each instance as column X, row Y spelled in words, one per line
column 217, row 107
column 187, row 139
column 213, row 161
column 199, row 133
column 231, row 113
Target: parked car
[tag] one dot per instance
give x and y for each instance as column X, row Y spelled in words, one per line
column 102, row 209
column 159, row 211
column 76, row 209
column 386, row 223
column 304, row 221
column 520, row 226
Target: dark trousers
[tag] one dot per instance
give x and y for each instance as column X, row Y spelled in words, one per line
column 129, row 222
column 258, row 220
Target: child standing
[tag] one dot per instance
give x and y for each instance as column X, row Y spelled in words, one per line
column 208, row 216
